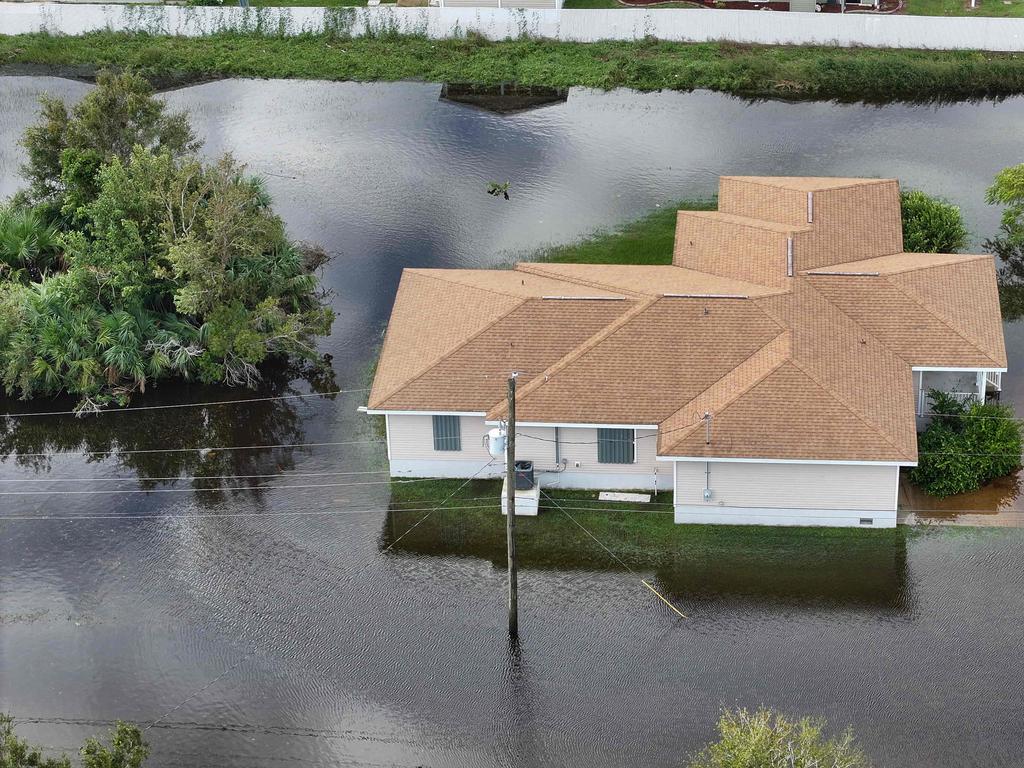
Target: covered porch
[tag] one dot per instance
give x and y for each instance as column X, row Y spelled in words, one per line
column 979, row 385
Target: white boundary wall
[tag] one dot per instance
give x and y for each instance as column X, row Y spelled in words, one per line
column 500, row 23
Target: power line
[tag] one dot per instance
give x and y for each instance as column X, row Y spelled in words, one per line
column 449, row 496
column 118, row 452
column 251, row 653
column 187, row 516
column 616, row 557
column 676, row 429
column 183, row 478
column 206, row 404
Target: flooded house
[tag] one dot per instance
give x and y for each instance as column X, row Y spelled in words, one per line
column 774, row 373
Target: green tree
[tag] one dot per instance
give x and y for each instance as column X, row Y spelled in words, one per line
column 127, row 749
column 18, row 753
column 764, row 739
column 931, row 225
column 965, row 446
column 29, row 246
column 160, row 264
column 67, row 148
column 1008, row 245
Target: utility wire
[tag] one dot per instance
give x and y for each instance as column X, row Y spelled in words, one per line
column 206, row 404
column 188, row 516
column 449, row 496
column 117, row 452
column 668, row 431
column 182, row 478
column 616, row 557
column 252, row 653
column 119, row 491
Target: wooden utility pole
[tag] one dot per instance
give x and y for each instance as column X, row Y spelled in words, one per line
column 510, row 503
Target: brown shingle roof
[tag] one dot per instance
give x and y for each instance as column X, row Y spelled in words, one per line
column 816, row 366
column 634, row 372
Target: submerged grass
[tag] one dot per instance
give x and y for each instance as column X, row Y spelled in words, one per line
column 848, row 74
column 648, row 240
column 644, row 535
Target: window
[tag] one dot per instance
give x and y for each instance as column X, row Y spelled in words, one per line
column 615, row 446
column 447, row 433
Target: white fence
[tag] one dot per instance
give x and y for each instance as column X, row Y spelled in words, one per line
column 502, row 23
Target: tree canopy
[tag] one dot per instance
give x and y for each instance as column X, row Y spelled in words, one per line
column 766, row 739
column 930, row 224
column 1008, row 245
column 127, row 749
column 129, row 259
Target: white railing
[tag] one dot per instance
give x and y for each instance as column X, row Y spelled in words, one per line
column 995, row 378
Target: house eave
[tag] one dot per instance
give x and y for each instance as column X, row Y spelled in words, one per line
column 851, row 462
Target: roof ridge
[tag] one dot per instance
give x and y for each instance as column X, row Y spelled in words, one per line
column 962, row 258
column 783, row 337
column 860, row 181
column 537, row 268
column 825, row 386
column 574, row 354
column 842, row 401
column 456, row 348
column 966, row 257
column 942, row 320
column 772, row 225
column 423, row 272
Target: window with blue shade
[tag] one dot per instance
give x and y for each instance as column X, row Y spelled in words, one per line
column 447, row 433
column 616, row 446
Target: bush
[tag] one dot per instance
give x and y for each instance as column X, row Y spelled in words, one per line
column 931, row 225
column 765, row 739
column 126, row 750
column 965, row 446
column 128, row 259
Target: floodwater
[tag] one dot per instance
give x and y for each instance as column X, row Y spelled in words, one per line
column 290, row 626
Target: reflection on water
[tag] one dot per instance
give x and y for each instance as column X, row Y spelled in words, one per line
column 323, row 652
column 711, row 566
column 187, row 439
column 503, row 99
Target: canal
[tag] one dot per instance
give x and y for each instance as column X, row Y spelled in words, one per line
column 275, row 626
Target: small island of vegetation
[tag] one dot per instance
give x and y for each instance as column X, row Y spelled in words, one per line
column 128, row 259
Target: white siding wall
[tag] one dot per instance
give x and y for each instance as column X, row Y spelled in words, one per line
column 786, row 494
column 585, row 25
column 411, row 445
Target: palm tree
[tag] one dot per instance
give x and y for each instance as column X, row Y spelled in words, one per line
column 29, row 247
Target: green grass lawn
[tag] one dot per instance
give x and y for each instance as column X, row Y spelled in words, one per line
column 648, row 240
column 1014, row 9
column 751, row 71
column 843, row 565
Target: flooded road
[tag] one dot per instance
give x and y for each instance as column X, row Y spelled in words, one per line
column 268, row 627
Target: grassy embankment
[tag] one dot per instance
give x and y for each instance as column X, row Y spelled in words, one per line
column 750, row 71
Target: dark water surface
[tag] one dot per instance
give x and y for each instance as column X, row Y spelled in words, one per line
column 286, row 634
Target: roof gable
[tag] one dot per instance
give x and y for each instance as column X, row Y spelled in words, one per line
column 636, row 373
column 527, row 339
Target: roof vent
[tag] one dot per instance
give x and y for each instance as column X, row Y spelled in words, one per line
column 703, row 296
column 810, row 207
column 789, row 257
column 584, row 298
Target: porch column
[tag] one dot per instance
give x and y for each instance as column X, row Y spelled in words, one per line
column 981, row 386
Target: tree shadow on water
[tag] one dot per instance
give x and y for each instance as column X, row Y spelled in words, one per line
column 167, row 447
